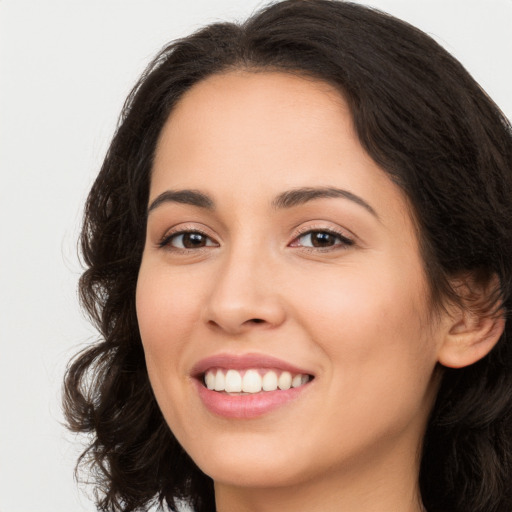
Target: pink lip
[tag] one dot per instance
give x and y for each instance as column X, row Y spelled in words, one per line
column 244, row 362
column 245, row 406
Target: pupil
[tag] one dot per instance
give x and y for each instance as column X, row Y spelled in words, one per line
column 191, row 240
column 322, row 239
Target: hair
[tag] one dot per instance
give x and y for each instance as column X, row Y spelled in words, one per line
column 423, row 119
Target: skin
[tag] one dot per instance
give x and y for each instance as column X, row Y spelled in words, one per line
column 356, row 315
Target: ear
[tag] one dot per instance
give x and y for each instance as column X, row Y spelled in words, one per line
column 474, row 327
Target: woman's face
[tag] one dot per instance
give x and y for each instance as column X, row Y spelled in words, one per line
column 278, row 253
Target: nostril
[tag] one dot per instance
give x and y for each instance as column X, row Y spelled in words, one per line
column 256, row 320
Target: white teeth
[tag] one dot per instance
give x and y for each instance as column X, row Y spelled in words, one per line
column 296, row 381
column 220, row 381
column 252, row 381
column 269, row 381
column 233, row 382
column 209, row 380
column 285, row 381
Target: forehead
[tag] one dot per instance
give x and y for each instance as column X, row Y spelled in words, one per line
column 250, row 112
column 259, row 133
column 249, row 89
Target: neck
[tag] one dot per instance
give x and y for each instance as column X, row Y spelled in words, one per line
column 384, row 487
column 298, row 498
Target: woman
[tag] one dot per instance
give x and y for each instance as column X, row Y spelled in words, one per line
column 298, row 254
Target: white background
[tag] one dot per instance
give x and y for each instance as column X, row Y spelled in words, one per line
column 65, row 69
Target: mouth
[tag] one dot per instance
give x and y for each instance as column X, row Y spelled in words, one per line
column 252, row 380
column 248, row 386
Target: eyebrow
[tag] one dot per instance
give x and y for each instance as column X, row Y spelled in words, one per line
column 299, row 196
column 191, row 197
column 287, row 199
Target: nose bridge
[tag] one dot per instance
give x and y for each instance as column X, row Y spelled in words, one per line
column 243, row 291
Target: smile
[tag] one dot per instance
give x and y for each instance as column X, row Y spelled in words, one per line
column 252, row 380
column 248, row 386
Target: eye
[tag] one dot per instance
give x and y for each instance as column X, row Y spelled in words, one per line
column 321, row 239
column 188, row 240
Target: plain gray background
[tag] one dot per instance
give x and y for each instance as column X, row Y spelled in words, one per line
column 66, row 67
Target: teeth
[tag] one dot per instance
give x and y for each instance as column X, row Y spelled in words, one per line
column 209, row 380
column 270, row 381
column 285, row 380
column 233, row 381
column 296, row 381
column 252, row 381
column 220, row 381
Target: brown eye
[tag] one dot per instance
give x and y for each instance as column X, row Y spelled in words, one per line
column 189, row 240
column 322, row 239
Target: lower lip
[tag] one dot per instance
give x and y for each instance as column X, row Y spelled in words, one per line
column 246, row 406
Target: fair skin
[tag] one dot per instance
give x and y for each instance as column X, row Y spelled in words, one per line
column 333, row 285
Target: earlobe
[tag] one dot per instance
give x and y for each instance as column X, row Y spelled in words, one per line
column 470, row 338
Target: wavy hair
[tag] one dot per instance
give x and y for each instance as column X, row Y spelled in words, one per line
column 427, row 124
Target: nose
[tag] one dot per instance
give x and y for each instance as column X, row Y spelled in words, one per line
column 245, row 294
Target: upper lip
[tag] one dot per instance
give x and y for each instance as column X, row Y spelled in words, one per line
column 245, row 362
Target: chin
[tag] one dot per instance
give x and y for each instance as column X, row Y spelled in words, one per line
column 251, row 473
column 251, row 464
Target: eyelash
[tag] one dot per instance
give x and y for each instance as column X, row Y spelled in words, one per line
column 166, row 240
column 345, row 241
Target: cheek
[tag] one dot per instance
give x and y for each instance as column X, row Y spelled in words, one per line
column 166, row 314
column 381, row 360
column 363, row 300
column 167, row 309
column 371, row 323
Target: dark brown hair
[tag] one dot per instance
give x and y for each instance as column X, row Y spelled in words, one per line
column 427, row 123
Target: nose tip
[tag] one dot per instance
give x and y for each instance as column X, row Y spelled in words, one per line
column 240, row 317
column 232, row 326
column 242, row 299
